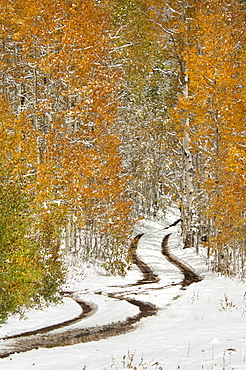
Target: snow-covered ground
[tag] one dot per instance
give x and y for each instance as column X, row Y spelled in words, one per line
column 200, row 327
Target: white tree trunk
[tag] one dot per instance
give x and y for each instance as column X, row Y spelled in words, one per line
column 187, row 191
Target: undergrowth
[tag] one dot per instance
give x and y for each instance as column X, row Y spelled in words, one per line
column 129, row 361
column 227, row 304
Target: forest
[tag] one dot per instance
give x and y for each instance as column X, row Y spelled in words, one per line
column 109, row 112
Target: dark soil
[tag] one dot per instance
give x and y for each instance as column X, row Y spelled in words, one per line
column 87, row 310
column 74, row 336
column 148, row 274
column 189, row 275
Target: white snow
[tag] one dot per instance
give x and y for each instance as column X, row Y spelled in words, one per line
column 36, row 319
column 200, row 327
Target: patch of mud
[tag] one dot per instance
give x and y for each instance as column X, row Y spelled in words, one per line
column 74, row 336
column 189, row 275
column 88, row 309
column 148, row 275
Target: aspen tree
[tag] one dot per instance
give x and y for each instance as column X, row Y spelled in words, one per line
column 145, row 85
column 30, row 272
column 65, row 86
column 173, row 29
column 217, row 70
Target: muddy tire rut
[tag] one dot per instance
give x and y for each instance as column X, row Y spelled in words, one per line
column 45, row 338
column 189, row 275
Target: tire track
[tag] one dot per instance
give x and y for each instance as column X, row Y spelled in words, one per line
column 148, row 275
column 189, row 275
column 75, row 336
column 88, row 309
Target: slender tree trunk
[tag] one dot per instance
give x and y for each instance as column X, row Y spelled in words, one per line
column 187, row 191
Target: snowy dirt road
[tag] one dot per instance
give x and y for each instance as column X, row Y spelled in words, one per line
column 200, row 326
column 49, row 337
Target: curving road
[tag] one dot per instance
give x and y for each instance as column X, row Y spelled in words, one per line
column 45, row 338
